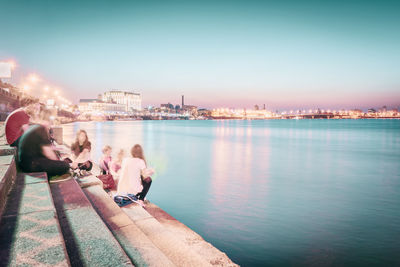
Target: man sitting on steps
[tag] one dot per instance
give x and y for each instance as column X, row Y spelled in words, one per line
column 36, row 154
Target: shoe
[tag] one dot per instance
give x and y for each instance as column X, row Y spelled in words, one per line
column 60, row 178
column 76, row 174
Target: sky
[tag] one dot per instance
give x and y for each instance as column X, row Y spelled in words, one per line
column 284, row 54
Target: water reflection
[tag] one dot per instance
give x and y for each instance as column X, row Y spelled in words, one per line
column 239, row 179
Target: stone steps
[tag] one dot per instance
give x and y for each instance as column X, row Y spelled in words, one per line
column 29, row 229
column 182, row 246
column 136, row 244
column 173, row 247
column 189, row 237
column 69, row 223
column 8, row 174
column 88, row 240
column 7, row 150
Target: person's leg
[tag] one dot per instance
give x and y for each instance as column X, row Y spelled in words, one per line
column 146, row 186
column 90, row 166
column 87, row 166
column 51, row 167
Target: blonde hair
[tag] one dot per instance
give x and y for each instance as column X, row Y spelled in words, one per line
column 121, row 152
column 105, row 149
column 137, row 152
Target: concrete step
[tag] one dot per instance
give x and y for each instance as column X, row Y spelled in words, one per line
column 7, row 150
column 189, row 237
column 88, row 240
column 174, row 249
column 136, row 244
column 172, row 246
column 172, row 237
column 29, row 230
column 8, row 174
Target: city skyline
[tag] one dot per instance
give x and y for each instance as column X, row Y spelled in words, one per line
column 218, row 54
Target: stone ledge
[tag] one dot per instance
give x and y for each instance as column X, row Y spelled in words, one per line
column 189, row 237
column 7, row 150
column 29, row 229
column 136, row 244
column 8, row 174
column 89, row 242
column 32, row 238
column 89, row 181
column 179, row 253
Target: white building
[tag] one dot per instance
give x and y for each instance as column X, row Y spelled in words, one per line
column 132, row 101
column 98, row 106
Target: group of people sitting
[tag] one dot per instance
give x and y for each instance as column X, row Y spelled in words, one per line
column 130, row 173
column 28, row 129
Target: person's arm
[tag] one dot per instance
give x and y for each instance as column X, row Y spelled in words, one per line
column 83, row 156
column 104, row 164
column 48, row 152
column 122, row 178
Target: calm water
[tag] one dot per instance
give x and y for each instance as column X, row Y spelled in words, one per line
column 275, row 193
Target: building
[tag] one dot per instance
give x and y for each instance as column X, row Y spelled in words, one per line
column 98, row 106
column 132, row 101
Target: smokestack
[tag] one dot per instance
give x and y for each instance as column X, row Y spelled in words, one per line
column 183, row 100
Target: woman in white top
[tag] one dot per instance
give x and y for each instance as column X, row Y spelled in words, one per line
column 131, row 180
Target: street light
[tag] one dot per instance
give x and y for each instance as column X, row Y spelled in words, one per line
column 33, row 78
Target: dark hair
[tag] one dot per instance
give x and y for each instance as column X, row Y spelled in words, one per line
column 75, row 145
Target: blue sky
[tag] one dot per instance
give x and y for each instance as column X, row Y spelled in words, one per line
column 286, row 54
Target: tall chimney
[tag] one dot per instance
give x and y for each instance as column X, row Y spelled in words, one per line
column 183, row 100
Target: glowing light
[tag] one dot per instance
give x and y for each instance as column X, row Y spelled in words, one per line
column 33, row 78
column 46, row 88
column 26, row 87
column 12, row 63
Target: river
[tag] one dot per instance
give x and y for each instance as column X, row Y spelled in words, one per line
column 274, row 192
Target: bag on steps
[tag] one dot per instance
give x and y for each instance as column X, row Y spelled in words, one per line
column 108, row 181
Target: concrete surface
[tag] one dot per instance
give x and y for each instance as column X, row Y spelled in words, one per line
column 136, row 244
column 179, row 253
column 89, row 181
column 8, row 174
column 29, row 231
column 193, row 240
column 7, row 150
column 88, row 240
